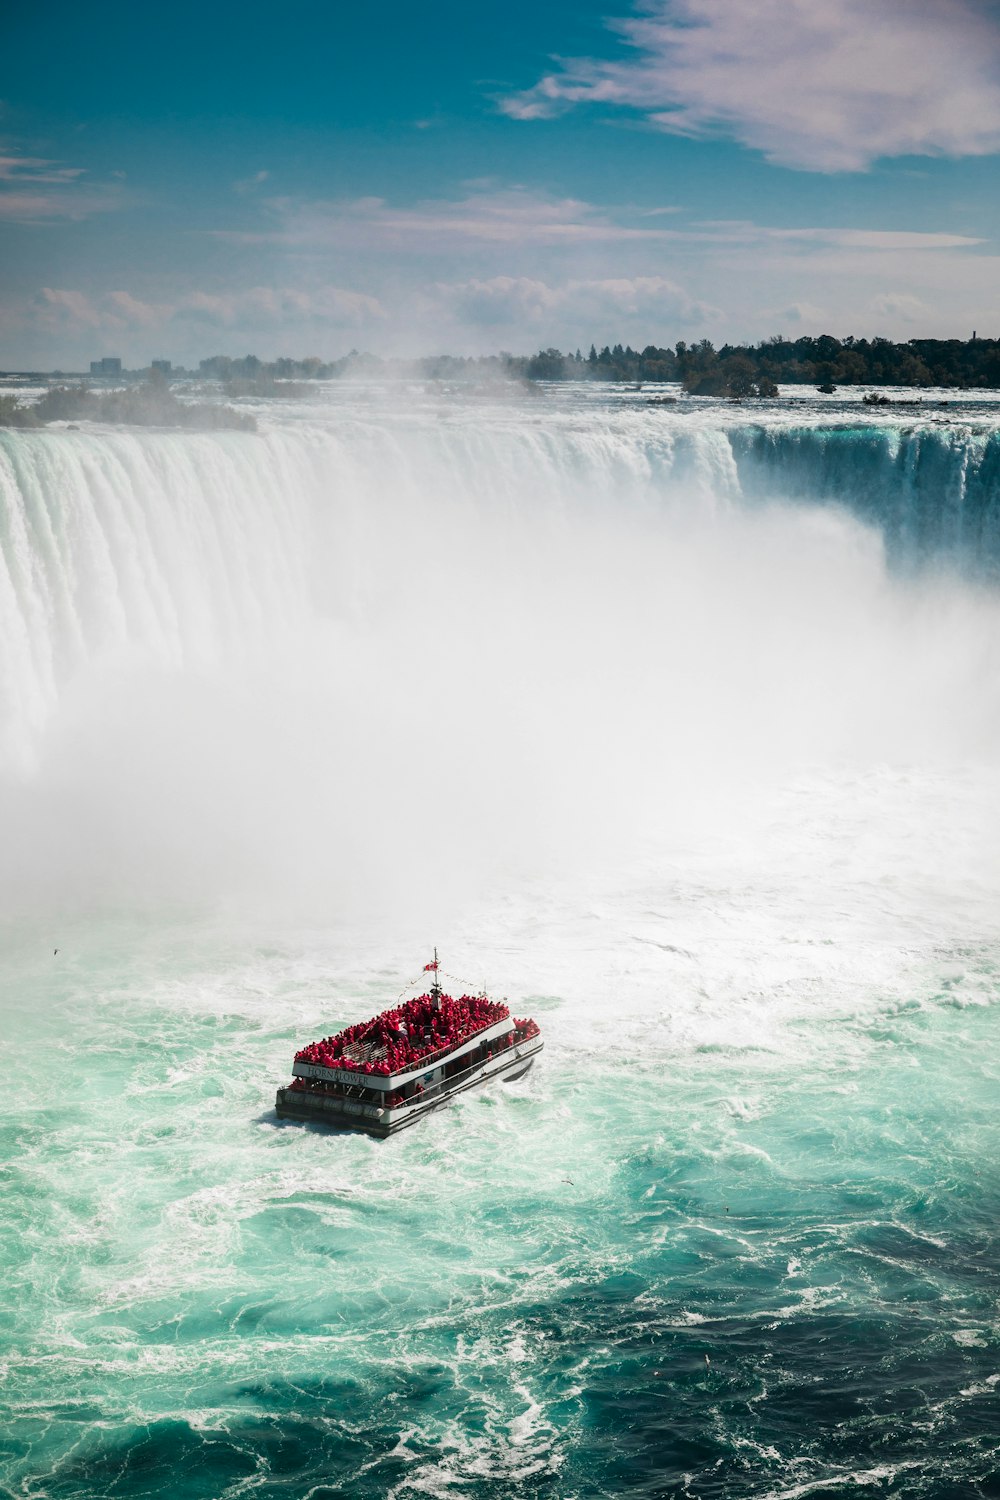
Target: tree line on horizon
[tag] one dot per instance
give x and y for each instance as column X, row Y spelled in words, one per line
column 737, row 370
column 148, row 403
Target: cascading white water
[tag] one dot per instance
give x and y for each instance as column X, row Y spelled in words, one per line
column 491, row 633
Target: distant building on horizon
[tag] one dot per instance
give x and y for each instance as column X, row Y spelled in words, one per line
column 163, row 366
column 106, row 366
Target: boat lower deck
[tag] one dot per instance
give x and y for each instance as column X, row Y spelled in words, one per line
column 326, row 1107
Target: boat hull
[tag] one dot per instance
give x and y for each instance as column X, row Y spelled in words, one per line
column 354, row 1115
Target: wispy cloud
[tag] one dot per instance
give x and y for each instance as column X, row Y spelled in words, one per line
column 485, row 215
column 36, row 169
column 35, row 190
column 60, row 308
column 260, row 308
column 502, row 218
column 278, row 306
column 251, row 184
column 512, row 215
column 796, row 314
column 744, row 232
column 524, row 302
column 829, row 86
column 503, row 265
column 899, row 306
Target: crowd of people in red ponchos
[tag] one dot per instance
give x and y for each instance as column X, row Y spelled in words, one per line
column 407, row 1035
column 523, row 1031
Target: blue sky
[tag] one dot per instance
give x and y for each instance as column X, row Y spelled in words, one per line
column 212, row 178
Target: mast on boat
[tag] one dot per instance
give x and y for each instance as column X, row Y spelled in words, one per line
column 436, row 986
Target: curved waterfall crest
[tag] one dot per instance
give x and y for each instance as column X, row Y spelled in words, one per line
column 130, row 554
column 188, row 548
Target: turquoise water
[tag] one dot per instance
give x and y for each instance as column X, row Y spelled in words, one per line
column 735, row 1233
column 715, row 1271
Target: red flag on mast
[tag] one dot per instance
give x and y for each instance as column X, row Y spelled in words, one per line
column 429, row 967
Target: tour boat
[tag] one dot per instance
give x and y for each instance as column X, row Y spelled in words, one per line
column 381, row 1075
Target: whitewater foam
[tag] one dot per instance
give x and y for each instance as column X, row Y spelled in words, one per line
column 236, row 661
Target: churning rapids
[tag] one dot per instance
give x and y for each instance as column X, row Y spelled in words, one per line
column 678, row 724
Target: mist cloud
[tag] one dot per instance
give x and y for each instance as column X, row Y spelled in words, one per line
column 389, row 653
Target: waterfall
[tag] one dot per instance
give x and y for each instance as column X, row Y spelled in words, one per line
column 933, row 491
column 464, row 625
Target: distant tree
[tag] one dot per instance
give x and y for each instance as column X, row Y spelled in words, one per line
column 217, row 367
column 13, row 414
column 547, row 364
column 849, row 367
column 738, row 374
column 700, row 371
column 63, row 403
column 819, row 360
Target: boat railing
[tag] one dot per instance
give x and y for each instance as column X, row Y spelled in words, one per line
column 435, row 1088
column 424, row 1060
column 352, row 1091
column 456, row 1077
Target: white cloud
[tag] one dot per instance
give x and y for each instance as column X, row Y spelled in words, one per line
column 35, row 190
column 877, row 239
column 486, row 215
column 744, row 232
column 527, row 304
column 276, row 306
column 898, row 306
column 250, row 184
column 58, row 308
column 507, row 218
column 797, row 314
column 504, row 266
column 36, row 169
column 826, row 85
column 499, row 300
column 257, row 308
column 65, row 310
column 126, row 311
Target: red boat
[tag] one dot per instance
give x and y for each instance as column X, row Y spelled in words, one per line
column 381, row 1075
